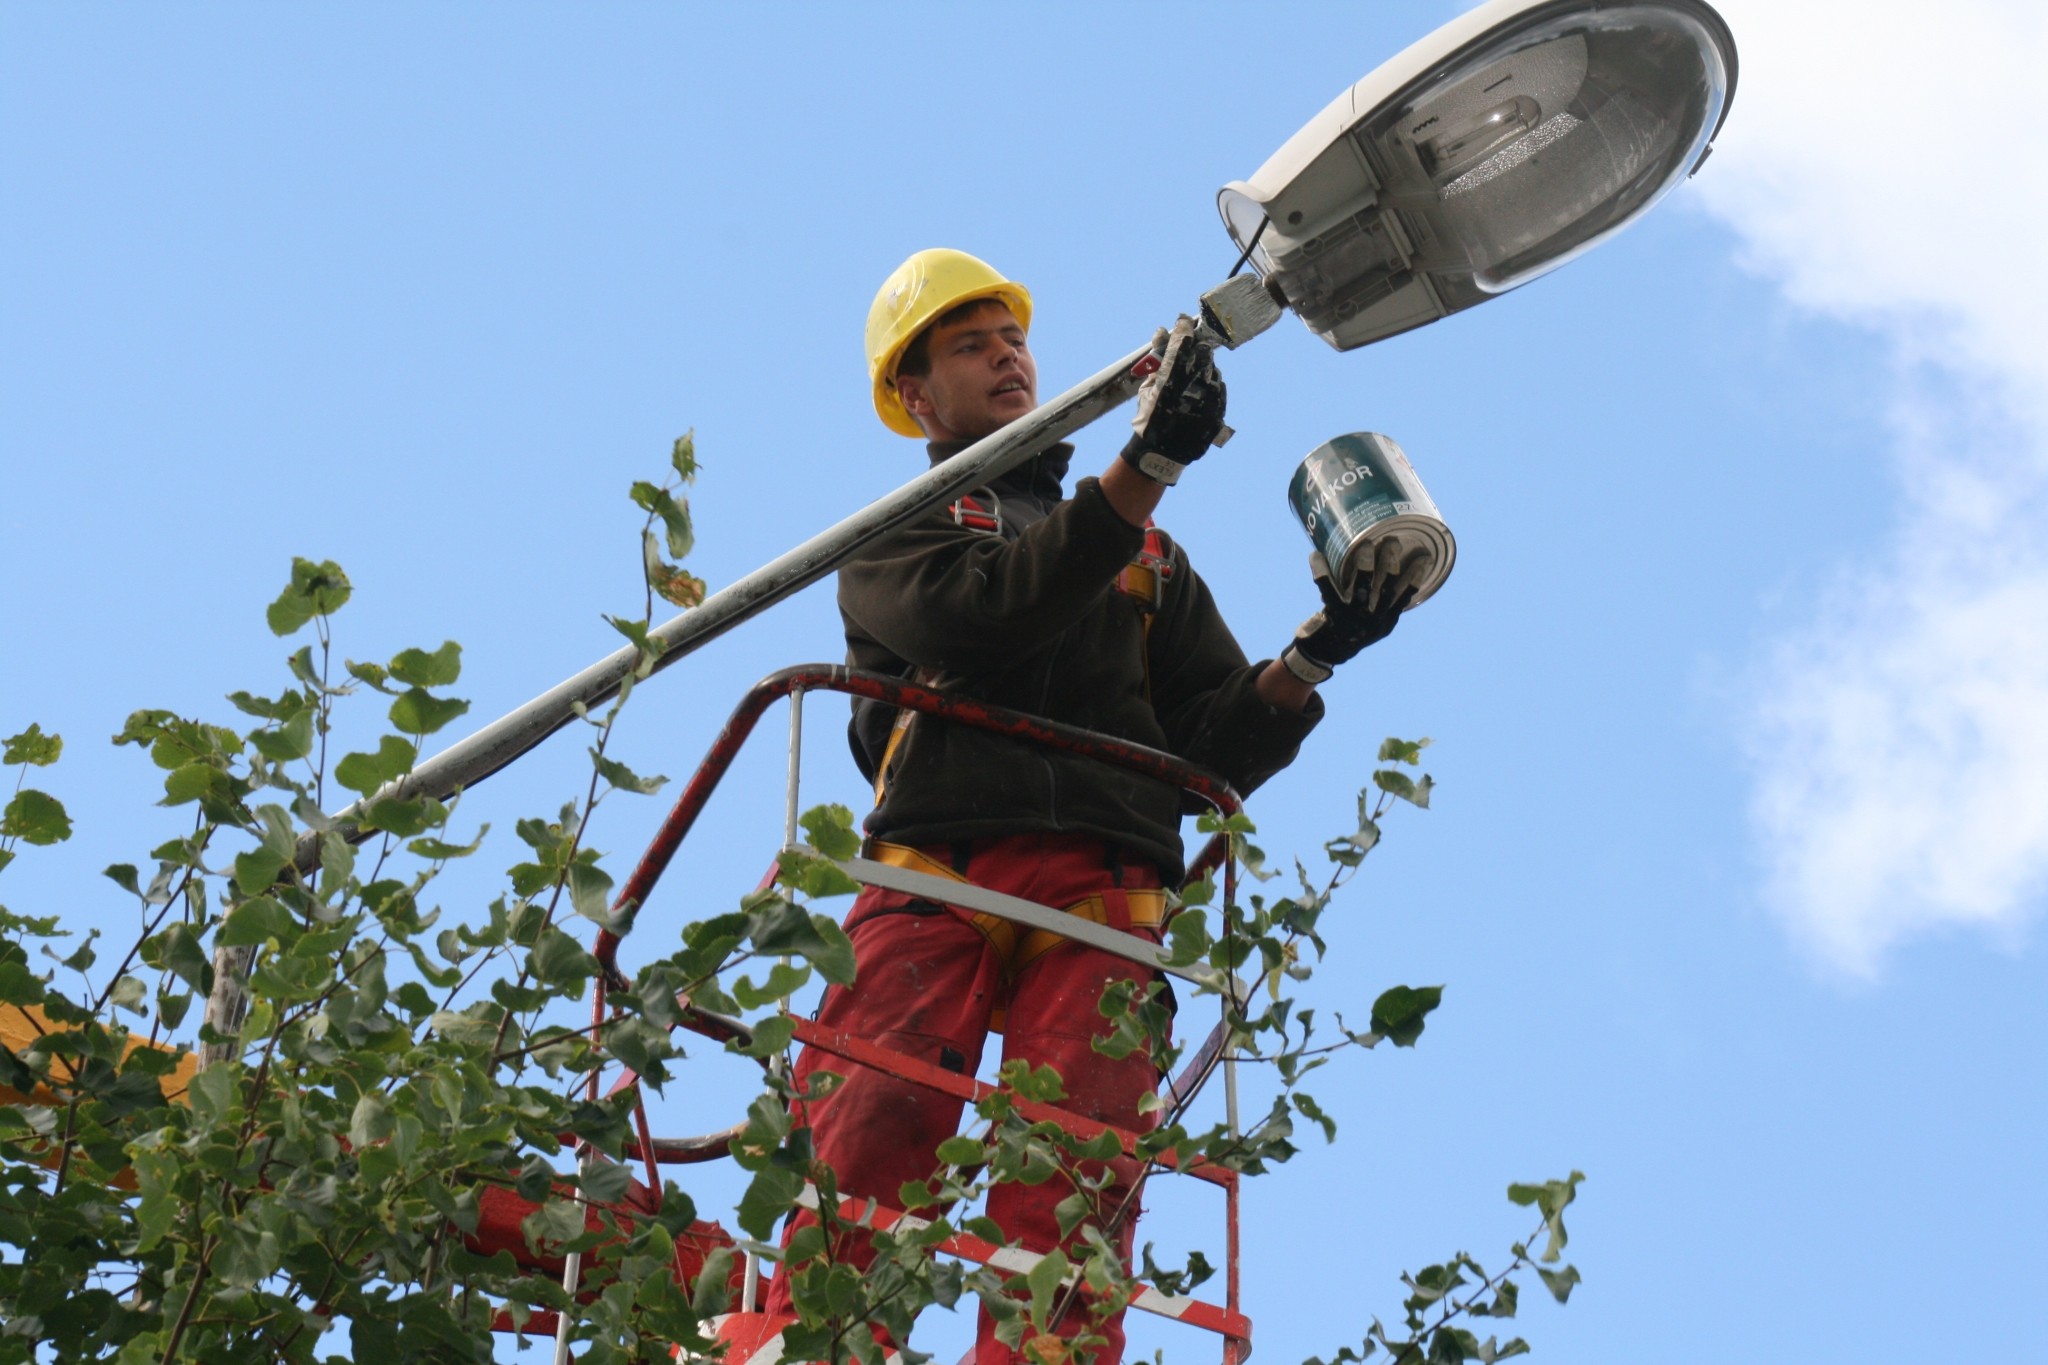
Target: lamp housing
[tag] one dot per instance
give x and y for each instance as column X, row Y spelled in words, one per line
column 1491, row 152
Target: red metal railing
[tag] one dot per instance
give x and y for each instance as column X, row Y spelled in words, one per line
column 881, row 687
column 653, row 1152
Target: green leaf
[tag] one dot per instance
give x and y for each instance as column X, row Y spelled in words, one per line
column 1350, row 850
column 437, row 850
column 1507, row 1300
column 560, row 960
column 178, row 950
column 128, row 994
column 213, row 1092
column 465, row 1028
column 18, row 986
column 683, row 457
column 1072, row 1211
column 813, row 876
column 1044, row 1281
column 35, row 817
column 784, row 980
column 605, row 1182
column 1396, row 783
column 419, row 712
column 1313, row 1112
column 417, row 668
column 82, row 958
column 1403, row 750
column 190, row 782
column 301, row 665
column 623, row 777
column 769, row 1195
column 258, row 1022
column 712, row 1294
column 1559, row 1282
column 257, row 920
column 371, row 1120
column 771, row 1037
column 404, row 818
column 256, row 870
column 364, row 774
column 315, row 590
column 1041, row 1083
column 590, row 888
column 829, row 828
column 372, row 675
column 1399, row 1013
column 289, row 742
column 636, row 631
column 780, row 928
column 674, row 514
column 246, row 1256
column 535, row 1179
column 1188, row 939
column 555, row 1222
column 962, row 1151
column 283, row 708
column 32, row 747
column 1551, row 1197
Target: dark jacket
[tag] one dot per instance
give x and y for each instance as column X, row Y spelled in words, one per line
column 1031, row 619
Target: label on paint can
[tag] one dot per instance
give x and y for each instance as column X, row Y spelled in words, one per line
column 1369, row 517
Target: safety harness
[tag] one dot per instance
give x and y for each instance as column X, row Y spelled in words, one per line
column 1144, row 581
column 1017, row 946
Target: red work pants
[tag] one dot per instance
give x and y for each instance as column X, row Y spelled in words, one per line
column 925, row 983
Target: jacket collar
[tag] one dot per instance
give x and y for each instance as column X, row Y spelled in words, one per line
column 1043, row 475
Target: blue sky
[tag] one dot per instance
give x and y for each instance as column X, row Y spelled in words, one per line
column 1738, row 690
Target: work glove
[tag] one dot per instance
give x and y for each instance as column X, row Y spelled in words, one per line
column 1336, row 634
column 1180, row 409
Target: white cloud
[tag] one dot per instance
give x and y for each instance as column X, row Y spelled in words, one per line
column 1883, row 163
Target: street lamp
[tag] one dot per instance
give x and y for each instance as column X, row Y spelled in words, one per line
column 1497, row 148
column 1492, row 151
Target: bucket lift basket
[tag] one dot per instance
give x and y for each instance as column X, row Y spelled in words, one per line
column 651, row 1152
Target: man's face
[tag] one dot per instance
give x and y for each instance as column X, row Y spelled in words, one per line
column 982, row 376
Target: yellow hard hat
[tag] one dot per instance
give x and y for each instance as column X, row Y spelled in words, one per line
column 916, row 292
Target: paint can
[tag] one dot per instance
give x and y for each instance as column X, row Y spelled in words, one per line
column 1368, row 516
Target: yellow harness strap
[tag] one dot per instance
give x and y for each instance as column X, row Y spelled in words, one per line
column 896, row 734
column 923, row 677
column 1144, row 581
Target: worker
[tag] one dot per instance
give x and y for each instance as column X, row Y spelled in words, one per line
column 1064, row 606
